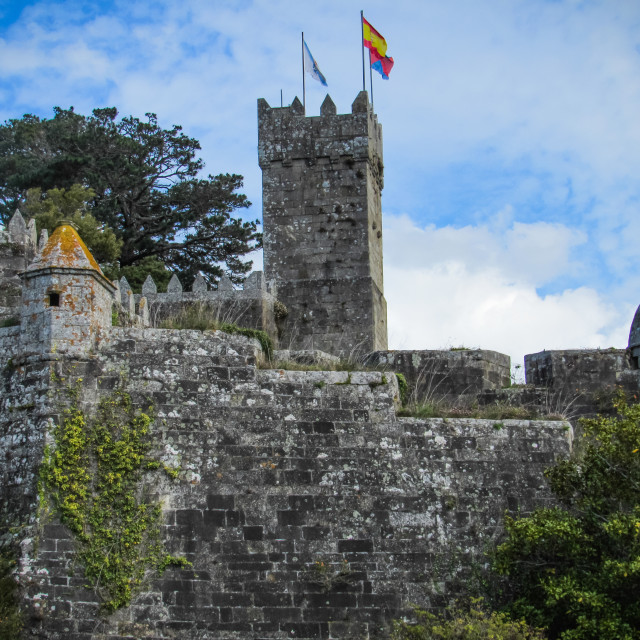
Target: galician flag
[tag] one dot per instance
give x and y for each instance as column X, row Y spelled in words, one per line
column 311, row 66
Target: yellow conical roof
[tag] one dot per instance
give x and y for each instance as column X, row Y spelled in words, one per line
column 65, row 248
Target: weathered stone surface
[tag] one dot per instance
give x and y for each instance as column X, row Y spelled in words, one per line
column 44, row 238
column 582, row 382
column 174, row 285
column 256, row 280
column 225, row 284
column 17, row 229
column 125, row 290
column 149, row 286
column 328, row 107
column 32, row 233
column 433, row 375
column 301, row 500
column 576, row 369
column 199, row 284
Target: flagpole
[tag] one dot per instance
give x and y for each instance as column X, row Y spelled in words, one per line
column 362, row 44
column 304, row 104
column 371, row 79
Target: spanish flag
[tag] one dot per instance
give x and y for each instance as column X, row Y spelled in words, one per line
column 377, row 46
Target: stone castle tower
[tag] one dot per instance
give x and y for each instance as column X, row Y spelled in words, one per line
column 322, row 179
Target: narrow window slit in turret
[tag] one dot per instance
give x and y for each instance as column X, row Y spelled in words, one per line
column 54, row 299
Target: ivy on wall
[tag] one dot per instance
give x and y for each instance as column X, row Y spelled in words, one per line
column 95, row 476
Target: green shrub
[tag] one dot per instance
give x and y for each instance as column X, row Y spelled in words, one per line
column 193, row 316
column 261, row 336
column 497, row 411
column 424, row 410
column 575, row 568
column 10, row 616
column 464, row 624
column 403, row 387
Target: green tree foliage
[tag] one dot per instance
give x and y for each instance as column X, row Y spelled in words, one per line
column 137, row 273
column 146, row 186
column 55, row 205
column 471, row 623
column 575, row 569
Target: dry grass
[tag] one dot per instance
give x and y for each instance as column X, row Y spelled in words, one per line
column 498, row 411
column 204, row 318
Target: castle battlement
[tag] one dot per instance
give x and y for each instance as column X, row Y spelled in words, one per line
column 287, row 135
column 18, row 246
column 255, row 305
column 34, row 287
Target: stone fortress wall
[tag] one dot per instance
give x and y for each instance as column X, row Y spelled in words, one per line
column 307, row 507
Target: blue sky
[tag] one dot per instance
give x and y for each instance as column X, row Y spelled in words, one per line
column 511, row 137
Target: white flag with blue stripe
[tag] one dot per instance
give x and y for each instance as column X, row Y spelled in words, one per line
column 311, row 66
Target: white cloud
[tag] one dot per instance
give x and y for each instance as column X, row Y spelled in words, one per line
column 534, row 253
column 465, row 290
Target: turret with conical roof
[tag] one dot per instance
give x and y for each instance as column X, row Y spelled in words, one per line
column 66, row 299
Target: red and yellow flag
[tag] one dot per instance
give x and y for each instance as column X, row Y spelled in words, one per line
column 377, row 46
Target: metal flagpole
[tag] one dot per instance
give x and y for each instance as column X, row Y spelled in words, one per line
column 362, row 38
column 304, row 104
column 371, row 79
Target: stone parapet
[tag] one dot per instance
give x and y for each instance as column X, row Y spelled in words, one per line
column 577, row 370
column 434, row 374
column 286, row 135
column 17, row 250
column 254, row 305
